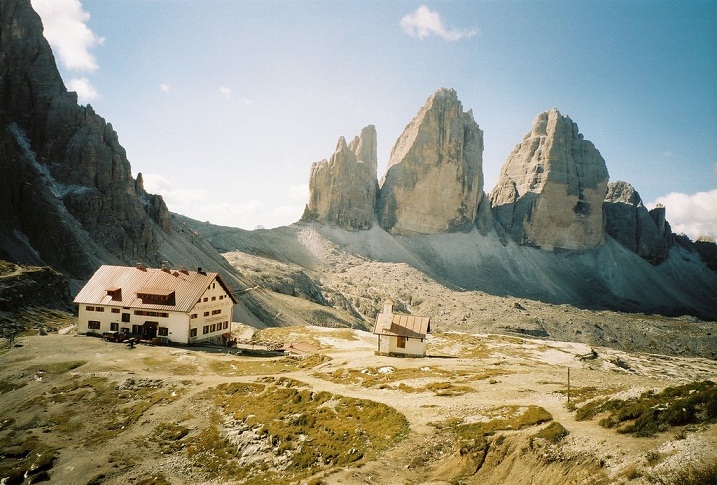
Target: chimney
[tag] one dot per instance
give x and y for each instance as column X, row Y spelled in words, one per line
column 164, row 267
column 140, row 267
column 183, row 270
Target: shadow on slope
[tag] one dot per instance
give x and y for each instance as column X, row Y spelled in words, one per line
column 610, row 277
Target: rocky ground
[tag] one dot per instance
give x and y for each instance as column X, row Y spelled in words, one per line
column 482, row 408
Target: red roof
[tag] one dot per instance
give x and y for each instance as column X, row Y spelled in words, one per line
column 188, row 287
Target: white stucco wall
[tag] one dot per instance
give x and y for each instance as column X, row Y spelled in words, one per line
column 178, row 324
column 388, row 344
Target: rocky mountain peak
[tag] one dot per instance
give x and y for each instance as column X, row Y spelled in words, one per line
column 434, row 180
column 551, row 188
column 342, row 190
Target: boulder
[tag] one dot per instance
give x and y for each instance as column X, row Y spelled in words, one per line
column 342, row 190
column 551, row 188
column 434, row 180
column 629, row 222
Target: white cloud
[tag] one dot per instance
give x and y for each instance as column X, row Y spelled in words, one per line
column 424, row 22
column 66, row 31
column 691, row 214
column 225, row 91
column 175, row 197
column 164, row 88
column 86, row 92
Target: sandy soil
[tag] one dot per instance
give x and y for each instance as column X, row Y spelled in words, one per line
column 497, row 370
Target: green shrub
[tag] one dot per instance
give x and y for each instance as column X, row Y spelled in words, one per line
column 651, row 413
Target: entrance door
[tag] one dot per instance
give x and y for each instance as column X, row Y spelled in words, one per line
column 149, row 330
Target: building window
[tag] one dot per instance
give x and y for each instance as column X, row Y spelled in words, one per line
column 193, row 316
column 206, row 314
column 205, row 299
column 114, row 326
column 205, row 330
column 146, row 313
column 162, row 331
column 216, row 312
column 125, row 318
column 90, row 308
column 115, row 310
column 401, row 342
column 214, row 298
column 193, row 332
column 221, row 297
column 93, row 325
column 226, row 325
column 214, row 285
column 99, row 308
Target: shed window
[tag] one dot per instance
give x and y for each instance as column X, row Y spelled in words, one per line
column 401, row 342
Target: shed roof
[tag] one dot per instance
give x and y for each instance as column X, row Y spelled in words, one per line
column 188, row 287
column 403, row 325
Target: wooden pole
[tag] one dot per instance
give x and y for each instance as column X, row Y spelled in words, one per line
column 568, row 385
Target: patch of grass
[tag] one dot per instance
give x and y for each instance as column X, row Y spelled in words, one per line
column 652, row 413
column 170, row 436
column 261, row 366
column 121, row 405
column 438, row 388
column 553, row 433
column 25, row 460
column 384, row 377
column 580, row 395
column 694, row 474
column 499, row 419
column 301, row 431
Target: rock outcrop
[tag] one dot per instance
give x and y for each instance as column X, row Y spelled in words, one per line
column 68, row 187
column 551, row 188
column 342, row 190
column 434, row 180
column 629, row 222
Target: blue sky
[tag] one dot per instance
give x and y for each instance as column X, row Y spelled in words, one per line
column 224, row 105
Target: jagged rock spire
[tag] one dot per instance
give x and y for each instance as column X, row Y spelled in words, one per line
column 342, row 190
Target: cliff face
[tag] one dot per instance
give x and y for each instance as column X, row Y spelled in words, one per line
column 342, row 190
column 69, row 193
column 551, row 187
column 629, row 222
column 434, row 180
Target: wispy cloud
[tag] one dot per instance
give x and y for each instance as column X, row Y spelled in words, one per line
column 691, row 214
column 173, row 196
column 65, row 28
column 86, row 92
column 164, row 88
column 225, row 91
column 424, row 22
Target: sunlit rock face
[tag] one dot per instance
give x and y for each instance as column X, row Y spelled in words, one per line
column 628, row 221
column 551, row 188
column 434, row 180
column 342, row 190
